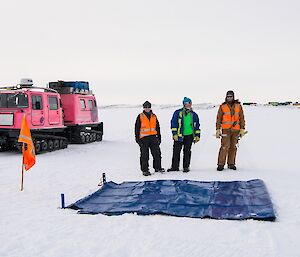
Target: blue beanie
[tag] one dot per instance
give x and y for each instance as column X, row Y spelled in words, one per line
column 186, row 100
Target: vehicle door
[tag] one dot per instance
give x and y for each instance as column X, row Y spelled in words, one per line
column 93, row 110
column 53, row 109
column 37, row 111
column 82, row 117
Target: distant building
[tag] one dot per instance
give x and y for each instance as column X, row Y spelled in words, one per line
column 250, row 103
column 286, row 103
column 279, row 103
column 273, row 103
column 296, row 104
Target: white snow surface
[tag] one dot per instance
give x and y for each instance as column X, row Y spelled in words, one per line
column 33, row 224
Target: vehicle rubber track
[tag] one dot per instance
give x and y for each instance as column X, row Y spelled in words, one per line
column 87, row 136
column 47, row 143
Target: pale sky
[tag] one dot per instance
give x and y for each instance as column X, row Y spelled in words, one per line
column 156, row 50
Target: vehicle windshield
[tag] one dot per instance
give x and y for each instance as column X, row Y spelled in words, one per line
column 16, row 100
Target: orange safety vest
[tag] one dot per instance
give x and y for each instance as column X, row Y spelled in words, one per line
column 228, row 121
column 148, row 127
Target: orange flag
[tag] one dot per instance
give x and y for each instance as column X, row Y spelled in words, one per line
column 28, row 150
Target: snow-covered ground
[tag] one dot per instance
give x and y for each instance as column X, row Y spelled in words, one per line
column 32, row 224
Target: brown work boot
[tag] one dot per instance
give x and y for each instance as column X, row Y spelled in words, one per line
column 220, row 167
column 231, row 166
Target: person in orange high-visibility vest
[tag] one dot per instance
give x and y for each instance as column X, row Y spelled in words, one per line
column 147, row 136
column 230, row 119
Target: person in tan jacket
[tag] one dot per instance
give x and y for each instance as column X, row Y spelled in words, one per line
column 231, row 120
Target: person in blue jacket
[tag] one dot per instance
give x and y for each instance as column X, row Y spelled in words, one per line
column 185, row 128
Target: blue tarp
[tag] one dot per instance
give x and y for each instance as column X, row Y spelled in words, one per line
column 77, row 84
column 184, row 198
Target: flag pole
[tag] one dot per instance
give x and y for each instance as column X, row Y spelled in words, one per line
column 22, row 180
column 27, row 148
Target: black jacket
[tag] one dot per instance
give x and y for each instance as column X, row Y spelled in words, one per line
column 138, row 126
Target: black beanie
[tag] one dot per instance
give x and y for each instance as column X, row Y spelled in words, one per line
column 229, row 93
column 146, row 104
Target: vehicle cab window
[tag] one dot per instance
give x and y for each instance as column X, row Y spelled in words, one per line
column 90, row 103
column 82, row 104
column 53, row 103
column 10, row 100
column 37, row 103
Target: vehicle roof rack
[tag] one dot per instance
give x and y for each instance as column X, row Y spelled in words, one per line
column 19, row 87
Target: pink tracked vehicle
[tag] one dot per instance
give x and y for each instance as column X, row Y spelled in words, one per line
column 62, row 113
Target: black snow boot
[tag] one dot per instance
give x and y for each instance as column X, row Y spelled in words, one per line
column 160, row 170
column 172, row 169
column 146, row 173
column 231, row 166
column 220, row 167
column 186, row 169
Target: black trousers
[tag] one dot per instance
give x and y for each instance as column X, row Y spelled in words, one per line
column 177, row 146
column 146, row 143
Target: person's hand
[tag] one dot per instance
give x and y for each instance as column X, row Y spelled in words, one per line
column 175, row 137
column 196, row 139
column 242, row 133
column 218, row 133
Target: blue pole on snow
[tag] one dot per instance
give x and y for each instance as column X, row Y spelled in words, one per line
column 103, row 180
column 62, row 201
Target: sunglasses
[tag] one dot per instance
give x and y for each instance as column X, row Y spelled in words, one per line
column 229, row 96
